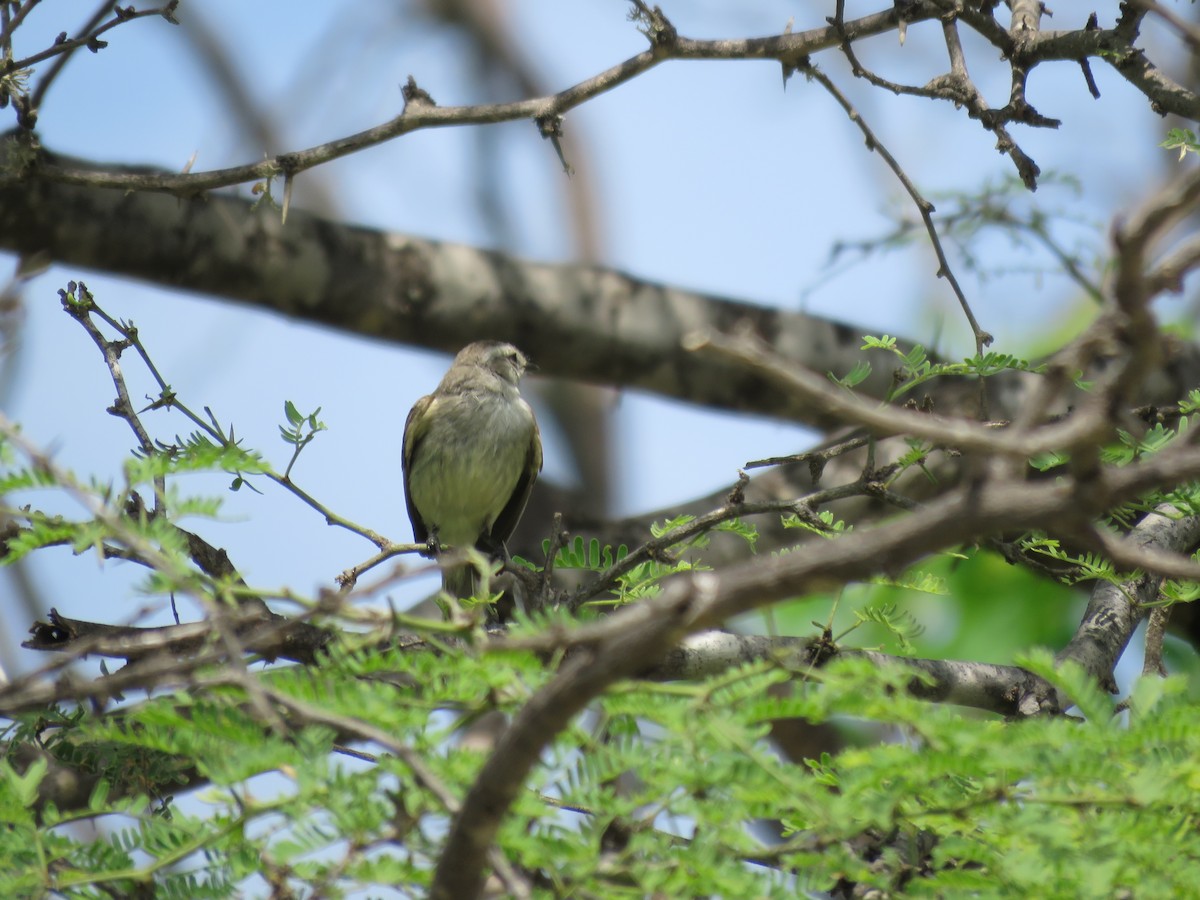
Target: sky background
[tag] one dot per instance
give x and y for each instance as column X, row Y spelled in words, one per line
column 707, row 175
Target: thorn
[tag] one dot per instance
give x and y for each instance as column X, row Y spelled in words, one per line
column 550, row 127
column 288, row 181
column 415, row 96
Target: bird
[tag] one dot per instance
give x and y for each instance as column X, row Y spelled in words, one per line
column 472, row 452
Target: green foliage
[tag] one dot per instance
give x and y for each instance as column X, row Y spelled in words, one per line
column 969, row 606
column 1129, row 448
column 1183, row 140
column 274, row 799
column 1082, row 566
column 1051, row 459
column 644, row 579
column 962, row 804
column 1175, row 591
column 300, row 430
column 19, row 478
column 1041, row 788
column 918, row 451
column 44, row 532
column 196, row 453
column 672, row 538
column 856, row 376
column 589, row 555
column 899, row 624
column 917, row 369
column 233, row 778
column 745, row 530
column 824, row 523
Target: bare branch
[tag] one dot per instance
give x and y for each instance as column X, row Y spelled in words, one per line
column 924, row 207
column 985, row 686
column 1086, row 427
column 787, row 48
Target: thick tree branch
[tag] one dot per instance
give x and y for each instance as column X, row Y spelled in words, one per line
column 578, row 321
column 1115, row 610
column 268, row 635
column 1117, row 49
column 985, row 686
column 582, row 322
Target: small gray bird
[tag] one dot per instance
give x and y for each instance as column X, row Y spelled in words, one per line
column 472, row 452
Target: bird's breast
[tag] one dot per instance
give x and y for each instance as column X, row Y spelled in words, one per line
column 469, row 463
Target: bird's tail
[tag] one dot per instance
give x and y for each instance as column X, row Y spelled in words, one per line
column 460, row 580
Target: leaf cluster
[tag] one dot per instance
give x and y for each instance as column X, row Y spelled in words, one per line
column 273, row 804
column 960, row 805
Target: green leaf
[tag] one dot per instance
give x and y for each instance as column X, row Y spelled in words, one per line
column 855, row 377
column 294, row 416
column 24, row 786
column 1183, row 140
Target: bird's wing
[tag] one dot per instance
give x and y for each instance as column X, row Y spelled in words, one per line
column 415, row 428
column 506, row 522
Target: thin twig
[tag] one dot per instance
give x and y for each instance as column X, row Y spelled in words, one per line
column 91, row 40
column 657, row 548
column 80, row 309
column 783, row 47
column 167, row 399
column 56, row 67
column 422, row 774
column 924, row 207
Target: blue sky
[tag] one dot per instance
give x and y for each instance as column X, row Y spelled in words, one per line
column 707, row 175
